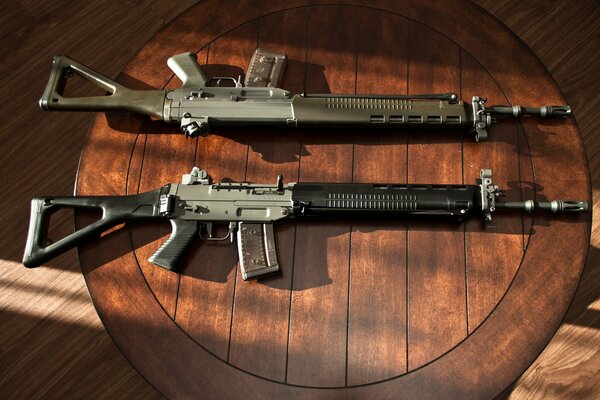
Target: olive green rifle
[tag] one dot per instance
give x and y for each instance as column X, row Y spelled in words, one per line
column 201, row 103
column 250, row 210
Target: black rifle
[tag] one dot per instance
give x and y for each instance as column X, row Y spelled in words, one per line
column 196, row 204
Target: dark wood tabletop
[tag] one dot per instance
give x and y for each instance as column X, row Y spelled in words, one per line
column 361, row 308
column 54, row 346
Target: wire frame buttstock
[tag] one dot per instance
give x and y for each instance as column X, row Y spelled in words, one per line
column 119, row 98
column 115, row 210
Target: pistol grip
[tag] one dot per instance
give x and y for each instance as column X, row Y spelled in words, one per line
column 187, row 69
column 172, row 252
column 256, row 247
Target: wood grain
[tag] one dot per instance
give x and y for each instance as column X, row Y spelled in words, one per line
column 377, row 309
column 262, row 315
column 318, row 327
column 126, row 385
column 488, row 273
column 307, row 363
column 436, row 283
column 57, row 346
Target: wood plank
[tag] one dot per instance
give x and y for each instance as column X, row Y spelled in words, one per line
column 259, row 334
column 317, row 342
column 207, row 285
column 377, row 310
column 494, row 250
column 436, row 275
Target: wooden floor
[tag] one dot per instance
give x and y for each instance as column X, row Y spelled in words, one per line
column 52, row 344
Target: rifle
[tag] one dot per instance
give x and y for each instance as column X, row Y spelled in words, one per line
column 197, row 105
column 250, row 210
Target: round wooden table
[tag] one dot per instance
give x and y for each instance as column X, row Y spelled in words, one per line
column 361, row 309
